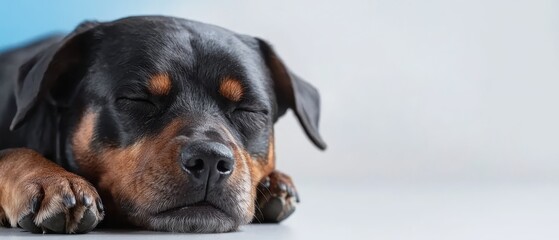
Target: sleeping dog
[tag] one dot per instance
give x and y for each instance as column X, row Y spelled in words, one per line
column 155, row 122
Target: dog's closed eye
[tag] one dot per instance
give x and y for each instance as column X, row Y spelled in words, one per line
column 136, row 103
column 249, row 119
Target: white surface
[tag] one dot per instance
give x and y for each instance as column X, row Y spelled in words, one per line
column 338, row 210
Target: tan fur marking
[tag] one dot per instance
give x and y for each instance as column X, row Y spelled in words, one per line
column 129, row 173
column 160, row 84
column 231, row 89
column 84, row 134
column 263, row 167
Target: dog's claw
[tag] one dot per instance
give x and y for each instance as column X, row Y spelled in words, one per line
column 36, row 204
column 86, row 200
column 265, row 183
column 100, row 206
column 69, row 201
column 282, row 187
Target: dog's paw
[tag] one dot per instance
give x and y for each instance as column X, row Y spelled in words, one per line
column 63, row 203
column 276, row 198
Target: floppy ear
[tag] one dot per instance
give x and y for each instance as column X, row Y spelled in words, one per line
column 51, row 73
column 293, row 92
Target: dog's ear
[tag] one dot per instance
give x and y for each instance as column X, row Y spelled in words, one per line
column 295, row 93
column 51, row 74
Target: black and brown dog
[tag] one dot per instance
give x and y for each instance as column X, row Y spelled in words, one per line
column 166, row 122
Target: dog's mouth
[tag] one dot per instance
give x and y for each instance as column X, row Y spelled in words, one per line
column 198, row 207
column 201, row 216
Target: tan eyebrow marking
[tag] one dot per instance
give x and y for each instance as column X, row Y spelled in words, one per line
column 231, row 89
column 160, row 84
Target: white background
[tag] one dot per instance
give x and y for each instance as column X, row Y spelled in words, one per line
column 417, row 90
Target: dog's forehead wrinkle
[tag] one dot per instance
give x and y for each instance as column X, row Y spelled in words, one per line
column 195, row 101
column 159, row 49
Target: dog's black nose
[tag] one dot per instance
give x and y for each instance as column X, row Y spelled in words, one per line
column 205, row 160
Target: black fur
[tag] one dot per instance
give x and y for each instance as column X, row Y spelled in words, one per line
column 46, row 86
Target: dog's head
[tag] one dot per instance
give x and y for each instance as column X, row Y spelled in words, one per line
column 171, row 119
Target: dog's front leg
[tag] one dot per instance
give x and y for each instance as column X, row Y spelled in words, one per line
column 40, row 196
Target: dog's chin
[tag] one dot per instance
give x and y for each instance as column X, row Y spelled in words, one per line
column 196, row 218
